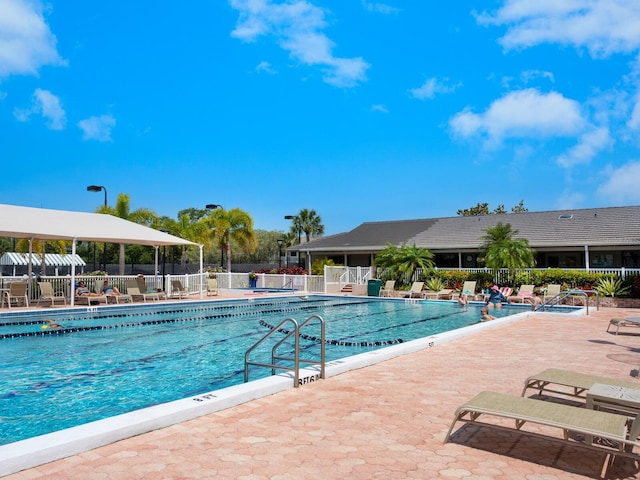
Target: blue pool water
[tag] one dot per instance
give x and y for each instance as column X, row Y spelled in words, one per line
column 119, row 359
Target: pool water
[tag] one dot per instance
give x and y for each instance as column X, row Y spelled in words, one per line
column 120, row 359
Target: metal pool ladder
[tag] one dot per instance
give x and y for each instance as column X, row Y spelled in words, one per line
column 296, row 358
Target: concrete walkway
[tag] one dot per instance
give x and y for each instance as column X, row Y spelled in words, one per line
column 386, row 421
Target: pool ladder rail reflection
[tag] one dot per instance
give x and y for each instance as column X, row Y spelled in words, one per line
column 295, row 332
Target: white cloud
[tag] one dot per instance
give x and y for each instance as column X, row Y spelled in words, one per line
column 97, row 128
column 26, row 43
column 265, row 67
column 603, row 27
column 524, row 113
column 380, row 8
column 622, row 185
column 46, row 104
column 298, row 25
column 589, row 145
column 379, row 108
column 431, row 87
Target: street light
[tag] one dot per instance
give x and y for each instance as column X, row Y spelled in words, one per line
column 295, row 224
column 213, row 206
column 164, row 259
column 280, row 242
column 97, row 188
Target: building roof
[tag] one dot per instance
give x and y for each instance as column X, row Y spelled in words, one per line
column 611, row 226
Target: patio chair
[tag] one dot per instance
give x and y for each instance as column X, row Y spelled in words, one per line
column 177, row 290
column 17, row 293
column 576, row 384
column 551, row 291
column 142, row 286
column 389, row 289
column 525, row 292
column 133, row 289
column 212, row 286
column 95, row 298
column 415, row 290
column 48, row 295
column 586, row 423
column 468, row 290
column 624, row 322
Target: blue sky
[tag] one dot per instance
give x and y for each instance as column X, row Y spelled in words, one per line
column 361, row 110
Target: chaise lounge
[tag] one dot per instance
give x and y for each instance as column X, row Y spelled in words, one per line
column 588, row 424
column 575, row 384
column 624, row 322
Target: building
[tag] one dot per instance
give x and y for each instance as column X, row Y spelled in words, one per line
column 584, row 238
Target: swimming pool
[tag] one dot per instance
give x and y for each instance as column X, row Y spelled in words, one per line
column 118, row 359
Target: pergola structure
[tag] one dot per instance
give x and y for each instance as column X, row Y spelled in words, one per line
column 45, row 224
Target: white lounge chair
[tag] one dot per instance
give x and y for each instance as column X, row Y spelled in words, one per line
column 48, row 295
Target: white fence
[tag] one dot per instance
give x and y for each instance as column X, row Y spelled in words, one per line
column 193, row 283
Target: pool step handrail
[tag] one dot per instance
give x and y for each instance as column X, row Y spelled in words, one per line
column 296, row 358
column 556, row 299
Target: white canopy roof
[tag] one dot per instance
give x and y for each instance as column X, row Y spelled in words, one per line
column 45, row 224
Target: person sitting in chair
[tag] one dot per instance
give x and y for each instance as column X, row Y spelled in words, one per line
column 83, row 291
column 108, row 289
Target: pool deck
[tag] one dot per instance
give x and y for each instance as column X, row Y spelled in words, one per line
column 386, row 421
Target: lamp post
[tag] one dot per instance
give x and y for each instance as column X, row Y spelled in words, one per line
column 97, row 188
column 164, row 259
column 294, row 218
column 213, row 206
column 280, row 241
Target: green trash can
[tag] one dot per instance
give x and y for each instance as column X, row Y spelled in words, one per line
column 373, row 287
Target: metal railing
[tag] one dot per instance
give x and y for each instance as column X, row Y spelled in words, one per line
column 296, row 356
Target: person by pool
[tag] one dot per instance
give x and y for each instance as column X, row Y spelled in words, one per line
column 496, row 297
column 83, row 291
column 108, row 289
column 484, row 312
column 52, row 324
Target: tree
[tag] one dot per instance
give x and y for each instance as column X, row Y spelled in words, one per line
column 483, row 209
column 501, row 250
column 233, row 224
column 309, row 222
column 142, row 216
column 196, row 231
column 402, row 263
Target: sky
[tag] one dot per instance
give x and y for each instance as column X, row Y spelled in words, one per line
column 361, row 110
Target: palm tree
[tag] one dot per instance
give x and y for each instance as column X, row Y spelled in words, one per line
column 501, row 250
column 309, row 222
column 40, row 247
column 193, row 229
column 233, row 224
column 402, row 263
column 142, row 216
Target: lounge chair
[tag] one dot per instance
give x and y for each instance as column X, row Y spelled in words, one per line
column 48, row 295
column 133, row 289
column 506, row 291
column 624, row 322
column 525, row 292
column 212, row 286
column 576, row 383
column 415, row 290
column 177, row 290
column 609, row 427
column 389, row 289
column 17, row 293
column 468, row 290
column 142, row 286
column 551, row 291
column 96, row 298
column 444, row 294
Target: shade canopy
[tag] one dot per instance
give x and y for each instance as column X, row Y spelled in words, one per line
column 45, row 224
column 50, row 259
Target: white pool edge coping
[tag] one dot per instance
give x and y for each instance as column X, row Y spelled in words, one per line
column 35, row 451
